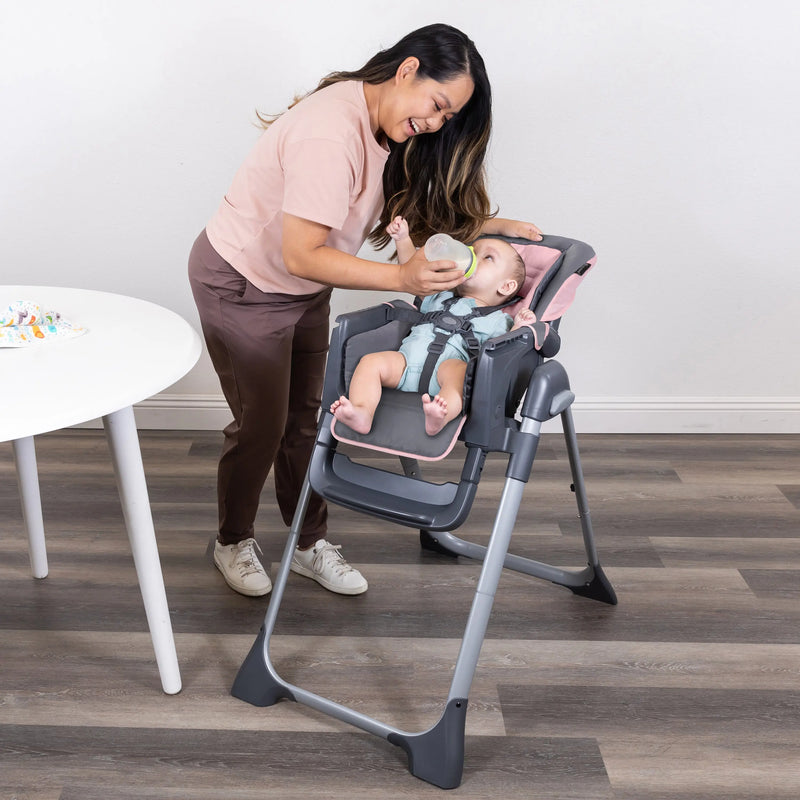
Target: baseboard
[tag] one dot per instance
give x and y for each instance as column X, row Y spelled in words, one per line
column 592, row 415
column 687, row 415
column 179, row 412
column 183, row 412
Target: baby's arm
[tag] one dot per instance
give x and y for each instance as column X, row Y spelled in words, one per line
column 398, row 230
column 523, row 317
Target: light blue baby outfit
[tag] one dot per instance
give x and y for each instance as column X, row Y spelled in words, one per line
column 415, row 346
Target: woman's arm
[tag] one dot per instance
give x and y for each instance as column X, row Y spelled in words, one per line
column 511, row 227
column 306, row 255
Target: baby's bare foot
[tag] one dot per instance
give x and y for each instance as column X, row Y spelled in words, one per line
column 435, row 413
column 356, row 418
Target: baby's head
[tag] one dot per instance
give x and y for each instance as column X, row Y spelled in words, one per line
column 499, row 273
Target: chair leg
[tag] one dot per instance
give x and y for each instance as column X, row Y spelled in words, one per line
column 257, row 682
column 599, row 587
column 437, row 755
column 589, row 582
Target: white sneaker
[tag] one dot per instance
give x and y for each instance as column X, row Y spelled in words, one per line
column 241, row 568
column 325, row 565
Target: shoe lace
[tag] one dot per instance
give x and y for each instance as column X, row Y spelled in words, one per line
column 329, row 555
column 246, row 558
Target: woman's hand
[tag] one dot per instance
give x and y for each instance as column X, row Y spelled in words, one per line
column 513, row 228
column 421, row 277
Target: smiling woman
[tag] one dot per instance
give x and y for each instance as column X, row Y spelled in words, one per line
column 404, row 135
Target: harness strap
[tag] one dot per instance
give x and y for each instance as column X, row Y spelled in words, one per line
column 447, row 325
column 435, row 349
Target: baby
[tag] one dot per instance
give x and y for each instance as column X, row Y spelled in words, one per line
column 498, row 277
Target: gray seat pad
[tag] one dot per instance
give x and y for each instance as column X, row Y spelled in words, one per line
column 399, row 429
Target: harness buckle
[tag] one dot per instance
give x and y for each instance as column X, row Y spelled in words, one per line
column 448, row 322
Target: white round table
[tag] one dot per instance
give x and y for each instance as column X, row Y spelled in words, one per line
column 132, row 350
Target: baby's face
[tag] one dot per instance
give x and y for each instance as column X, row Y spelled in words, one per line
column 496, row 262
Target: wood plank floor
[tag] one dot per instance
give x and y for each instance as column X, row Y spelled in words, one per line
column 689, row 689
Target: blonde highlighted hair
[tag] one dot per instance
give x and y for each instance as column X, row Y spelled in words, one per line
column 437, row 181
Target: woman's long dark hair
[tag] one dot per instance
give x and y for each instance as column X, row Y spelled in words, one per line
column 437, row 181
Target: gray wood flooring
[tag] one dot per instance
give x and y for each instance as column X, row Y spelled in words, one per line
column 689, row 689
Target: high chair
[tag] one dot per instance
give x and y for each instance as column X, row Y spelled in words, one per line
column 510, row 368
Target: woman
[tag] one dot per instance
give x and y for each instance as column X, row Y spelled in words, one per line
column 404, row 135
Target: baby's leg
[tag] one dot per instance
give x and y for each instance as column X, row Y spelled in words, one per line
column 447, row 405
column 374, row 371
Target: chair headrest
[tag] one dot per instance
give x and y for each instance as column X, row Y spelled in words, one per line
column 540, row 258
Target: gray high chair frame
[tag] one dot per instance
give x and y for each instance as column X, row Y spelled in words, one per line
column 507, row 366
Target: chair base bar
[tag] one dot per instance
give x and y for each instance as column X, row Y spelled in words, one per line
column 435, row 755
column 589, row 582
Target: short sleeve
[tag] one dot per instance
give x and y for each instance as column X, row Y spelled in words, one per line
column 434, row 302
column 503, row 323
column 319, row 181
column 426, row 303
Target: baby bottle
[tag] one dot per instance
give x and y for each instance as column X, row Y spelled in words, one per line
column 441, row 247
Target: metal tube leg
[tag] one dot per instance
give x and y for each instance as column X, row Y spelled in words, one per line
column 282, row 577
column 597, row 586
column 486, row 589
column 123, row 442
column 580, row 486
column 28, row 480
column 491, row 571
column 437, row 755
column 257, row 682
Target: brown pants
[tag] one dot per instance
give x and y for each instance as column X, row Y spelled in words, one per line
column 269, row 352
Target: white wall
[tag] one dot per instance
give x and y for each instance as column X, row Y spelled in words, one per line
column 662, row 132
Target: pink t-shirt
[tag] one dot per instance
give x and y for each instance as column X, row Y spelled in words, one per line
column 319, row 161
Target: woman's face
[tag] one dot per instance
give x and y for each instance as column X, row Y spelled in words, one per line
column 415, row 105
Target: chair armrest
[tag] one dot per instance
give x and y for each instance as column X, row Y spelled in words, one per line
column 545, row 337
column 501, row 374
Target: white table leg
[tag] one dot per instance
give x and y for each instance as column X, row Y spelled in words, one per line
column 123, row 441
column 28, row 480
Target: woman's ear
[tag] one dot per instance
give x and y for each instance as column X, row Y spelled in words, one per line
column 408, row 69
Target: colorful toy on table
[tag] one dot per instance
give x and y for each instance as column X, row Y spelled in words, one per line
column 24, row 323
